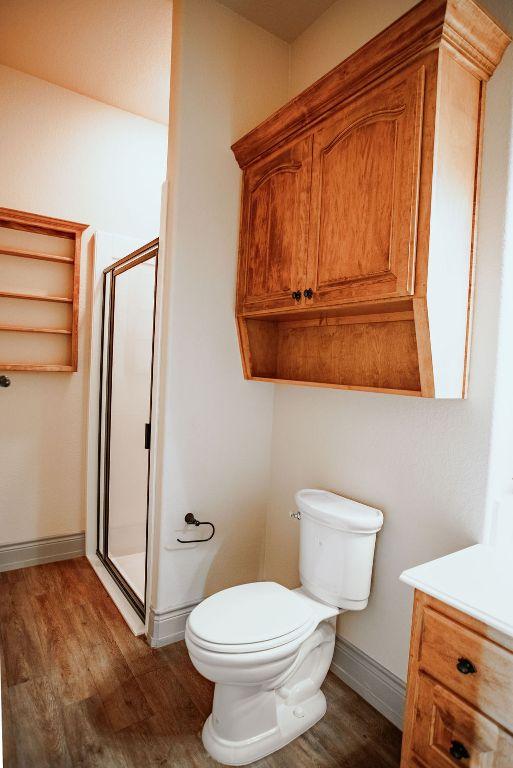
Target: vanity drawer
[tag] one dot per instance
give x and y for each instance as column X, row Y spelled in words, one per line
column 448, row 732
column 475, row 668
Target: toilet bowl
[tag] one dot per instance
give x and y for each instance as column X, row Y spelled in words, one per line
column 268, row 648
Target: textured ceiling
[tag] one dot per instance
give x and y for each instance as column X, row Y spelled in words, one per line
column 284, row 18
column 115, row 51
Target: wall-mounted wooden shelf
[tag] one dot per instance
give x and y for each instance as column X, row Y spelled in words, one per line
column 28, row 329
column 37, row 255
column 359, row 209
column 35, row 297
column 39, row 292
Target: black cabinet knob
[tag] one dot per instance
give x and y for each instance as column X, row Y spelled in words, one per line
column 296, row 295
column 459, row 751
column 5, row 381
column 465, row 666
column 308, row 293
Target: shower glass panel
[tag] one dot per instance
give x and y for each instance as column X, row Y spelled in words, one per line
column 125, row 419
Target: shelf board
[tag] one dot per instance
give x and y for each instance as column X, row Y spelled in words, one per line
column 29, row 329
column 36, row 367
column 350, row 387
column 36, row 255
column 35, row 297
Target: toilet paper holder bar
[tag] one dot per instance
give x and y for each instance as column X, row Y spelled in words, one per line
column 191, row 520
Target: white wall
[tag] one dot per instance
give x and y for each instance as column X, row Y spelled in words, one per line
column 424, row 463
column 68, row 156
column 215, row 428
column 341, row 30
column 117, row 52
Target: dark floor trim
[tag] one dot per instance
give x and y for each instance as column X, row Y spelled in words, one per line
column 373, row 682
column 46, row 550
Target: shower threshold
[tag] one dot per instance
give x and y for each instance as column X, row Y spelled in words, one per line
column 133, row 569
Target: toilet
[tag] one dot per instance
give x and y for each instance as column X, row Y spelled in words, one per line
column 268, row 648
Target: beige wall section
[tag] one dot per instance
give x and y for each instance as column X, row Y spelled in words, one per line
column 425, row 463
column 341, row 30
column 117, row 52
column 214, row 428
column 68, row 156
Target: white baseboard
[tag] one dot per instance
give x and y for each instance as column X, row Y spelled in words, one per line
column 168, row 626
column 38, row 551
column 373, row 682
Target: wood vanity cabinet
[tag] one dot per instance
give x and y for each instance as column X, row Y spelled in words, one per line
column 459, row 706
column 359, row 209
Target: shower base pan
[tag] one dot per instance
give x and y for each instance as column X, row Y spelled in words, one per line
column 133, row 569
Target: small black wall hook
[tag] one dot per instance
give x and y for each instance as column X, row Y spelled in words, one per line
column 191, row 520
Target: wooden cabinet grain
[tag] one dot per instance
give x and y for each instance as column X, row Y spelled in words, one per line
column 366, row 164
column 359, row 213
column 459, row 698
column 275, row 214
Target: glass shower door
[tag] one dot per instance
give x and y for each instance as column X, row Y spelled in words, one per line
column 125, row 419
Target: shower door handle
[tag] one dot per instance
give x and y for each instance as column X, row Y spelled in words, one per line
column 147, row 435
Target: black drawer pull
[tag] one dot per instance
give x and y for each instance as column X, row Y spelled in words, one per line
column 296, row 295
column 459, row 751
column 308, row 293
column 465, row 666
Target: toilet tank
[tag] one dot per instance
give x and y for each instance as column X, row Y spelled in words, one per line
column 337, row 547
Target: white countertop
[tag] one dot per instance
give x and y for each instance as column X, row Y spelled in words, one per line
column 477, row 580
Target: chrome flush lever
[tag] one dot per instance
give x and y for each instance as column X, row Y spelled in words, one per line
column 296, row 515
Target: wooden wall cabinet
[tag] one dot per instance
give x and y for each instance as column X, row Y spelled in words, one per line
column 39, row 292
column 359, row 208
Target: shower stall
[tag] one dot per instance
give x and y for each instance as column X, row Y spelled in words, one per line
column 126, row 378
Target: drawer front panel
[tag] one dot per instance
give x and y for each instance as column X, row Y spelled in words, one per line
column 475, row 668
column 449, row 732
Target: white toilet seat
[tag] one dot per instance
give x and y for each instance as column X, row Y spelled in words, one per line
column 267, row 649
column 251, row 618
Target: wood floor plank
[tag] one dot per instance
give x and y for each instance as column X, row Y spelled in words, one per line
column 64, row 659
column 126, row 705
column 39, row 731
column 23, row 656
column 84, row 692
column 45, row 579
column 139, row 656
column 166, row 694
column 199, row 689
column 109, row 668
column 355, row 741
column 8, row 739
column 91, row 742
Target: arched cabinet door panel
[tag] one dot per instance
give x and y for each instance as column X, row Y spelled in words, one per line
column 365, row 179
column 274, row 232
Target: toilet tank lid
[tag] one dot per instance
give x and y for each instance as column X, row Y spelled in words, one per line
column 338, row 512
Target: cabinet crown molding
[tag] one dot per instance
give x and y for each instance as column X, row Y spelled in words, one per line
column 357, row 197
column 459, row 25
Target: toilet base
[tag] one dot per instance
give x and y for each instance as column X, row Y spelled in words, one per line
column 293, row 720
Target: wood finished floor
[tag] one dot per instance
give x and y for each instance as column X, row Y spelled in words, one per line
column 78, row 689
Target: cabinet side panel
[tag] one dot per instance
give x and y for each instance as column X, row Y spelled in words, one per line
column 413, row 679
column 452, row 217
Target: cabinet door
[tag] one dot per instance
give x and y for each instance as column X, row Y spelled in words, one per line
column 274, row 229
column 449, row 732
column 365, row 179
